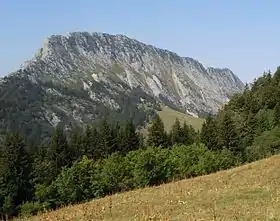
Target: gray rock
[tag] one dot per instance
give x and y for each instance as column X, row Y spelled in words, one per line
column 120, row 65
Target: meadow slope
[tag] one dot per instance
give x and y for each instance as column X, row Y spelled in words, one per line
column 169, row 116
column 250, row 192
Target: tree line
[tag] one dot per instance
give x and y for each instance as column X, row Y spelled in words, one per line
column 28, row 172
column 249, row 124
column 114, row 157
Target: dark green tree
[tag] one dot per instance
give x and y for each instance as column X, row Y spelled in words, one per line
column 94, row 150
column 277, row 113
column 209, row 133
column 276, row 76
column 177, row 135
column 189, row 134
column 156, row 133
column 91, row 144
column 129, row 138
column 77, row 144
column 249, row 130
column 109, row 135
column 59, row 153
column 42, row 166
column 228, row 135
column 16, row 184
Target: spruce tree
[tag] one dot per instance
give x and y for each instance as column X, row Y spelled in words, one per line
column 59, row 153
column 190, row 134
column 77, row 144
column 42, row 166
column 94, row 150
column 156, row 133
column 276, row 76
column 229, row 137
column 277, row 113
column 208, row 133
column 249, row 130
column 90, row 143
column 86, row 143
column 176, row 133
column 15, row 174
column 109, row 135
column 129, row 138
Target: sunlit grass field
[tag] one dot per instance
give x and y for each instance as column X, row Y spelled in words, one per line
column 250, row 192
column 169, row 116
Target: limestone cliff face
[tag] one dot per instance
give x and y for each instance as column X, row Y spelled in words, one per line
column 104, row 69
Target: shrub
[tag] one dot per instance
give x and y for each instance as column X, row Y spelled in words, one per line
column 113, row 174
column 225, row 159
column 31, row 208
column 148, row 166
column 47, row 195
column 265, row 145
column 74, row 183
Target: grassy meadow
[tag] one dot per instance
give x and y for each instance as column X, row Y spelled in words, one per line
column 250, row 192
column 169, row 116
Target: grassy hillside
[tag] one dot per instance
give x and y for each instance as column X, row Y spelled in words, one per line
column 169, row 116
column 250, row 192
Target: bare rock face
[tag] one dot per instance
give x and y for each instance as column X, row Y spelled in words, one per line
column 74, row 75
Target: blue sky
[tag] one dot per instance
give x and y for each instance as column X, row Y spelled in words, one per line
column 243, row 35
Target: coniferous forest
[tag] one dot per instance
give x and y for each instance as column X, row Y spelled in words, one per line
column 108, row 158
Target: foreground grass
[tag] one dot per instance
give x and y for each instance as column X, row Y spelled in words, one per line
column 169, row 116
column 250, row 192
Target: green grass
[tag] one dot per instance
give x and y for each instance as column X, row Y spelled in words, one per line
column 250, row 192
column 169, row 116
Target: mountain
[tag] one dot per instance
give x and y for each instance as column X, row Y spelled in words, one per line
column 81, row 77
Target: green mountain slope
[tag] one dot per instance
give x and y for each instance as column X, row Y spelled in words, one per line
column 169, row 116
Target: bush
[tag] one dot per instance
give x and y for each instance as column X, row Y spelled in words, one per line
column 179, row 161
column 87, row 179
column 148, row 166
column 225, row 159
column 31, row 208
column 47, row 195
column 74, row 184
column 113, row 174
column 183, row 160
column 265, row 145
column 206, row 163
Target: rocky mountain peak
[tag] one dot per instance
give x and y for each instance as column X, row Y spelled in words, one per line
column 96, row 70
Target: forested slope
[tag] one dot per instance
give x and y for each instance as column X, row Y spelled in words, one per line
column 113, row 157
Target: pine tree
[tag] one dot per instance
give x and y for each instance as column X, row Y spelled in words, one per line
column 229, row 137
column 94, row 150
column 42, row 166
column 129, row 138
column 156, row 133
column 109, row 135
column 277, row 113
column 176, row 133
column 86, row 143
column 277, row 75
column 59, row 153
column 90, row 143
column 186, row 134
column 208, row 133
column 249, row 130
column 15, row 174
column 190, row 133
column 77, row 144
